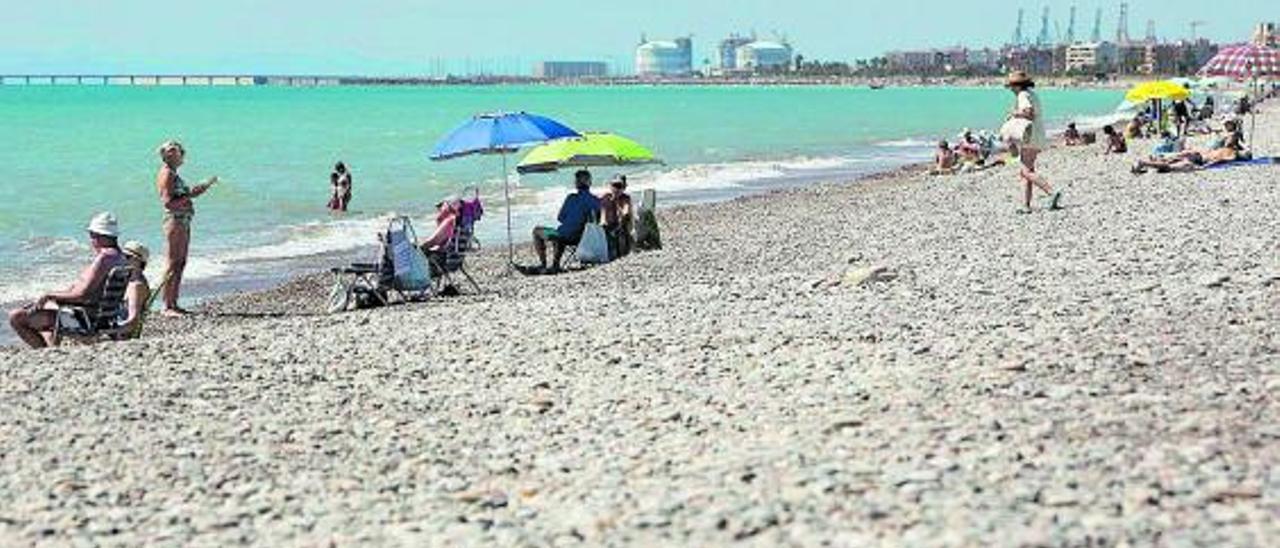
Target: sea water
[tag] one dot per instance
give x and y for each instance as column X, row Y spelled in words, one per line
column 67, row 152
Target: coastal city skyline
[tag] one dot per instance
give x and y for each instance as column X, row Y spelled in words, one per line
column 400, row 37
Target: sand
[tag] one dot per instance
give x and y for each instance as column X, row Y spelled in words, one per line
column 899, row 361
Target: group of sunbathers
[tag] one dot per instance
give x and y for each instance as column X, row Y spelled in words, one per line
column 1170, row 156
column 43, row 322
column 613, row 210
column 972, row 152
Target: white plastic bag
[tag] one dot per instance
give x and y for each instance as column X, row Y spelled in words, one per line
column 593, row 248
column 1016, row 131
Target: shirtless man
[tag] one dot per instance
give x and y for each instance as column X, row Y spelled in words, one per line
column 36, row 323
column 945, row 160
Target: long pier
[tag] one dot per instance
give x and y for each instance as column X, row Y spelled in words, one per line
column 166, row 80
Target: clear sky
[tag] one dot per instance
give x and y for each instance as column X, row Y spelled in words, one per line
column 405, row 36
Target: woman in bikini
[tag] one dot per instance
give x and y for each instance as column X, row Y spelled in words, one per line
column 179, row 210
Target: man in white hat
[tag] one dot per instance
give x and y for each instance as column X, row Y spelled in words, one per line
column 35, row 323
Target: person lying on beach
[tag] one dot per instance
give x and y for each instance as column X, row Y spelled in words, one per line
column 617, row 217
column 138, row 293
column 36, row 324
column 945, row 161
column 1191, row 160
column 1183, row 162
column 1115, row 142
column 578, row 209
column 1071, row 137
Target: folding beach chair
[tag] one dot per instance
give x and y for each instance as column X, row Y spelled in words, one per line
column 101, row 321
column 469, row 214
column 400, row 269
column 451, row 260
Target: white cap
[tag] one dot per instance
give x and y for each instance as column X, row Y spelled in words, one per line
column 136, row 250
column 104, row 224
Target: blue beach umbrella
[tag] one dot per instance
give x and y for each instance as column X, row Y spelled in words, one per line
column 500, row 133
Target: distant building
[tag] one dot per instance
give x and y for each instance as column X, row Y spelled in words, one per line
column 1131, row 58
column 984, row 60
column 727, row 52
column 1265, row 34
column 1034, row 60
column 764, row 56
column 663, row 58
column 913, row 62
column 1091, row 57
column 570, row 69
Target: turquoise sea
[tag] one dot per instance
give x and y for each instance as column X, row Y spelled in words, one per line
column 69, row 151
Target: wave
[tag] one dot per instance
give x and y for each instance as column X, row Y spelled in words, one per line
column 907, row 143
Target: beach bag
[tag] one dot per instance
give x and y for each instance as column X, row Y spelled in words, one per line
column 648, row 237
column 593, row 248
column 1016, row 131
column 412, row 271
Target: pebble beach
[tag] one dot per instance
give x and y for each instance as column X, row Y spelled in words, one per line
column 901, row 360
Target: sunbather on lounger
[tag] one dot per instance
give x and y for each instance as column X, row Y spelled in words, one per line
column 579, row 208
column 1178, row 163
column 36, row 323
column 446, row 223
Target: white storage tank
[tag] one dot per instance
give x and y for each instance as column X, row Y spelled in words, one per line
column 763, row 55
column 665, row 58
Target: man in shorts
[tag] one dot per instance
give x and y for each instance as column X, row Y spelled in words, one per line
column 36, row 324
column 579, row 208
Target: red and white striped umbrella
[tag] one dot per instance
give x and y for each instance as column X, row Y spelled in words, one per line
column 1243, row 62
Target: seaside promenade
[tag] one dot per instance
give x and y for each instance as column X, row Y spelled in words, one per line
column 898, row 361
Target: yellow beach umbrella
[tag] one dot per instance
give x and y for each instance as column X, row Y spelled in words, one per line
column 1161, row 90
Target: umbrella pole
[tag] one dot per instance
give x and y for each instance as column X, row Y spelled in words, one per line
column 1253, row 116
column 506, row 189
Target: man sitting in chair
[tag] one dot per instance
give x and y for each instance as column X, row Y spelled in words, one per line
column 579, row 208
column 36, row 323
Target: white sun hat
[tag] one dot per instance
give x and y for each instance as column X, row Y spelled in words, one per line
column 104, row 224
column 136, row 250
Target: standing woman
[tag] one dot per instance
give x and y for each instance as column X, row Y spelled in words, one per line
column 1027, row 107
column 344, row 185
column 179, row 210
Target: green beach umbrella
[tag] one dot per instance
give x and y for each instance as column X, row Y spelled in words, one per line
column 590, row 150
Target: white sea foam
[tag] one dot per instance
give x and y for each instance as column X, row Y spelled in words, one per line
column 907, row 143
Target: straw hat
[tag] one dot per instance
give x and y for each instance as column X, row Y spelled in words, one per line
column 104, row 224
column 136, row 250
column 1019, row 78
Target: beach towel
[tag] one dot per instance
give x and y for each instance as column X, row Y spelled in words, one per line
column 1253, row 162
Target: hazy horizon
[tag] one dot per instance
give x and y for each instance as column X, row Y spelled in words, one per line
column 384, row 37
